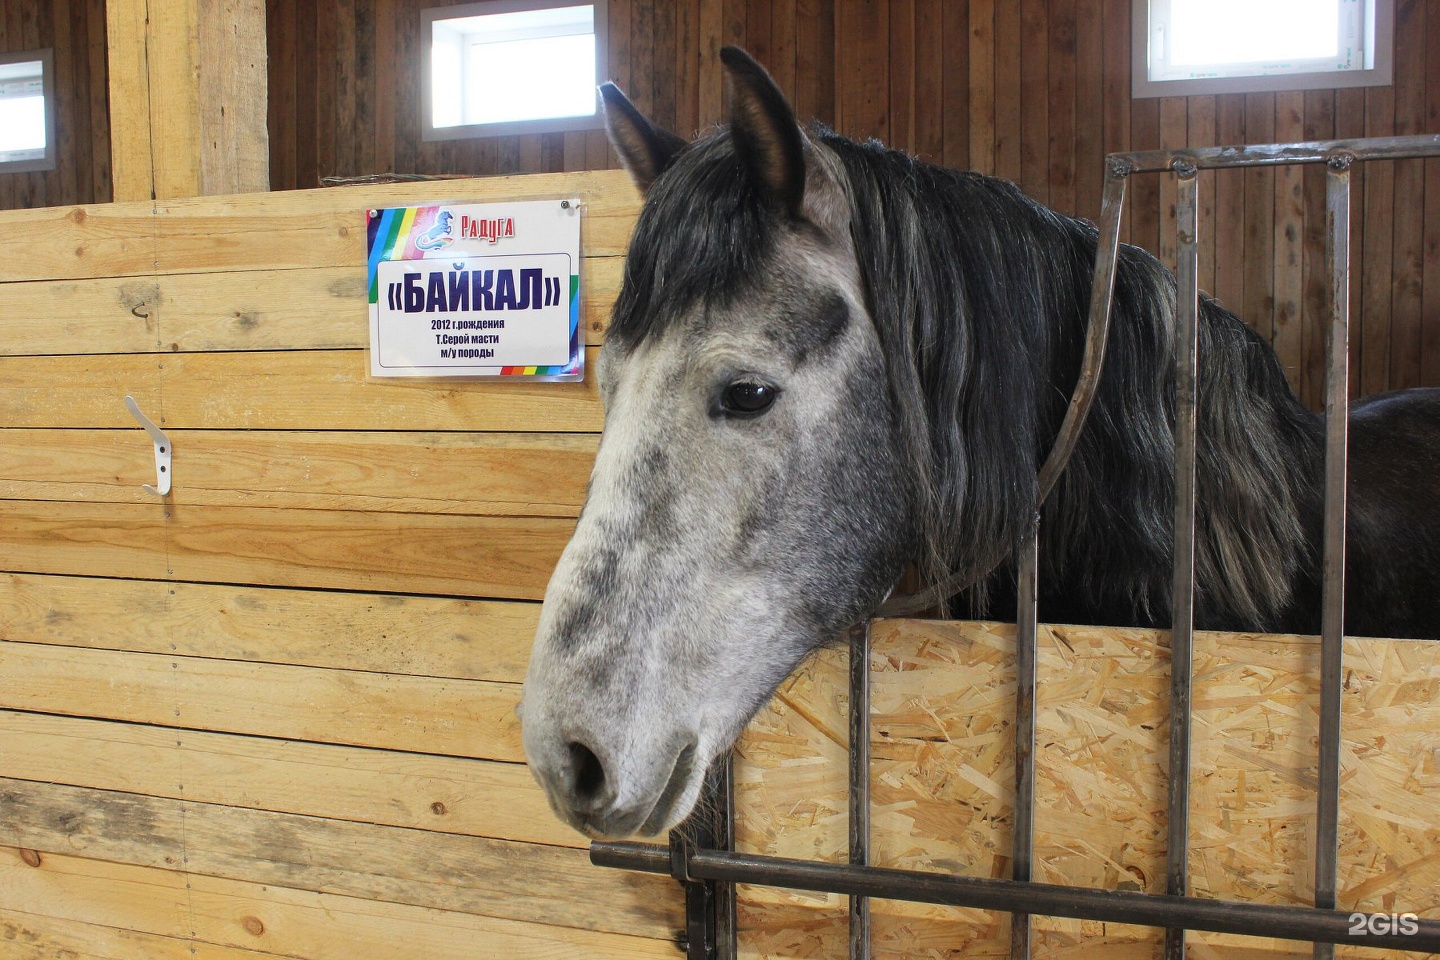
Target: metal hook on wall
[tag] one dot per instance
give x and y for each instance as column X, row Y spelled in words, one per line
column 163, row 450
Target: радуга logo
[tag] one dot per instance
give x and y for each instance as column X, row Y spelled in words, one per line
column 437, row 236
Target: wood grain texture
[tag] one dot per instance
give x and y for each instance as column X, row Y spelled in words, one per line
column 457, row 718
column 284, row 921
column 422, row 792
column 493, row 878
column 28, row 936
column 378, row 633
column 941, row 779
column 129, row 88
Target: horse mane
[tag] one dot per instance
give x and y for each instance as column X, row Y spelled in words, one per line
column 980, row 297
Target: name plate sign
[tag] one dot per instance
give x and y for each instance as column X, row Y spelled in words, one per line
column 476, row 290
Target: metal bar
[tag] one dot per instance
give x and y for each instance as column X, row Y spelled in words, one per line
column 1107, row 255
column 1274, row 154
column 1182, row 584
column 1044, row 899
column 860, row 783
column 1026, row 629
column 710, row 904
column 1332, row 610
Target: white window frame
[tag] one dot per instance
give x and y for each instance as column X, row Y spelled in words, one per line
column 1380, row 43
column 430, row 132
column 48, row 161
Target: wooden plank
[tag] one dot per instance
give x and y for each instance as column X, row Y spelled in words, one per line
column 1007, row 90
column 1144, row 202
column 1034, row 100
column 862, row 86
column 439, row 794
column 1289, row 238
column 1350, row 110
column 101, row 188
column 1259, row 306
column 27, row 936
column 1319, row 125
column 172, row 37
column 1406, row 290
column 982, row 86
column 291, row 922
column 930, row 64
column 1376, row 266
column 711, row 28
column 941, row 778
column 1174, row 133
column 129, row 81
column 523, row 474
column 685, row 70
column 1430, row 301
column 310, row 309
column 232, row 95
column 956, row 29
column 457, row 718
column 292, row 390
column 1089, row 107
column 1062, row 106
column 1230, row 207
column 496, row 878
column 497, row 557
column 901, row 76
column 1200, row 132
column 293, row 229
column 397, row 634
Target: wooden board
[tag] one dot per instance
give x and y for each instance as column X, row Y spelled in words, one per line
column 461, row 718
column 212, row 911
column 506, row 474
column 493, row 878
column 942, row 700
column 378, row 633
column 297, row 309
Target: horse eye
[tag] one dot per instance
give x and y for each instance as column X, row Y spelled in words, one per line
column 746, row 398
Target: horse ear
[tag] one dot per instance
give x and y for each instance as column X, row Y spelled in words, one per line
column 764, row 129
column 645, row 149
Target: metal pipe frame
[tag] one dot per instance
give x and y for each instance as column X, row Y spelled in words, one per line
column 715, row 871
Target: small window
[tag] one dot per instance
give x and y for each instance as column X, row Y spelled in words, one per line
column 1187, row 47
column 27, row 112
column 511, row 66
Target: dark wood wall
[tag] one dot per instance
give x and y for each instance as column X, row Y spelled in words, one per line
column 75, row 30
column 1037, row 91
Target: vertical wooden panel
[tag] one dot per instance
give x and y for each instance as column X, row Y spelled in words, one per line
column 1116, row 87
column 1007, row 90
column 1230, row 207
column 781, row 61
column 1350, row 111
column 956, row 28
column 1062, row 106
column 1408, row 234
column 686, row 64
column 901, row 112
column 862, row 77
column 1089, row 107
column 386, row 65
column 1376, row 266
column 1289, row 235
column 1145, row 190
column 982, row 85
column 1035, row 99
column 712, row 84
column 930, row 55
column 1259, row 310
column 1319, row 125
column 129, row 104
column 1174, row 126
column 1430, row 307
column 1200, row 124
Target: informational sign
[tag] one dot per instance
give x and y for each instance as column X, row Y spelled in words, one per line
column 476, row 290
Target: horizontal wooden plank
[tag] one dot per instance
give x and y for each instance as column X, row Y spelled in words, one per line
column 266, row 231
column 26, row 936
column 461, row 718
column 290, row 922
column 419, row 636
column 442, row 794
column 291, row 390
column 313, row 309
column 467, row 556
column 503, row 474
column 495, row 878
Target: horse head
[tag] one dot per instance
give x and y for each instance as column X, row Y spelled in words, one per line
column 749, row 499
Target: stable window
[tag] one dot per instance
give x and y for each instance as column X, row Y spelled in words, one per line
column 512, row 66
column 27, row 112
column 1186, row 47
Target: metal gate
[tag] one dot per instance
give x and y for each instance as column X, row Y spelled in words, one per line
column 702, row 858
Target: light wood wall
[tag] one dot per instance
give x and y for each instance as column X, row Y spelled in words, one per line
column 1037, row 91
column 272, row 714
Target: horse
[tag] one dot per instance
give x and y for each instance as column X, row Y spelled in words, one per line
column 830, row 362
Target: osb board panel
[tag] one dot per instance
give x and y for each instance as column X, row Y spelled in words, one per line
column 269, row 231
column 494, row 878
column 403, row 789
column 381, row 633
column 323, row 308
column 459, row 555
column 943, row 702
column 508, row 474
column 462, row 718
column 287, row 921
column 287, row 390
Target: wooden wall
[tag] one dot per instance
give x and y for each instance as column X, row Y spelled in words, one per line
column 1036, row 91
column 269, row 715
column 75, row 30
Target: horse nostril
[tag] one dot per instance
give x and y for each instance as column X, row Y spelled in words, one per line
column 587, row 773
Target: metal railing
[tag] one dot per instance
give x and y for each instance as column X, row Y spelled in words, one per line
column 705, row 862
